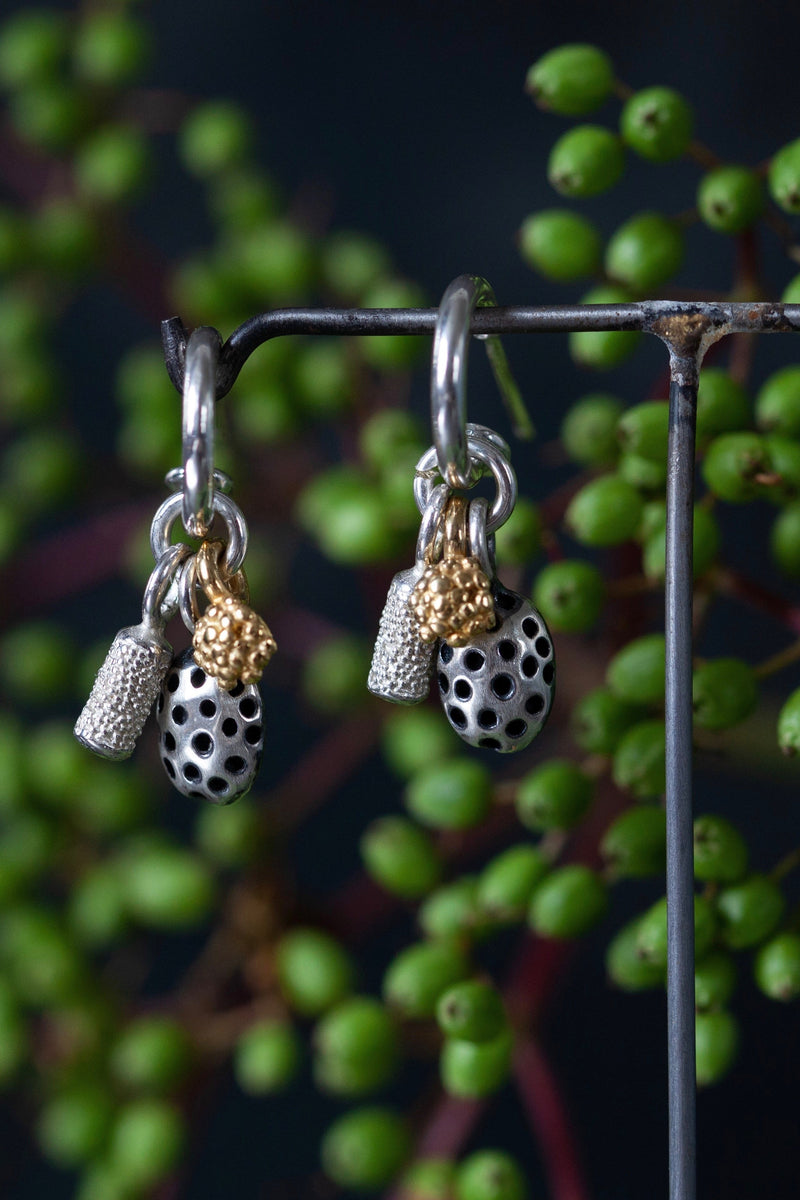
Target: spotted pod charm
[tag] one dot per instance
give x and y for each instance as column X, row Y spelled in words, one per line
column 498, row 690
column 210, row 739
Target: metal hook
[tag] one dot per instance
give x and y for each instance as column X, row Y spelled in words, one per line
column 449, row 375
column 199, row 394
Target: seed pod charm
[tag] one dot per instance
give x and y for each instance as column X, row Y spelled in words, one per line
column 231, row 642
column 452, row 599
column 129, row 679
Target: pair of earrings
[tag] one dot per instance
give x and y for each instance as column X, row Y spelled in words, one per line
column 447, row 616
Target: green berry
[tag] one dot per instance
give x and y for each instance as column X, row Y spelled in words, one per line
column 734, row 464
column 657, row 123
column 242, row 198
column 147, row 1141
column 586, row 161
column 644, row 474
column 472, row 1010
column 358, row 528
column 356, row 1047
column 626, row 967
column 730, row 199
column 452, row 911
column 414, row 738
column 599, row 719
column 112, row 165
column 507, row 882
column 636, row 673
column 724, row 692
column 470, row 1070
column 401, row 857
column 388, row 433
column 783, row 485
column 720, row 851
column 42, row 469
column 589, row 430
column 273, row 260
column 365, row 1149
column 777, row 407
column 490, row 1175
column 784, row 177
column 639, row 764
column 50, row 115
column 560, row 244
column 644, row 430
column 44, row 965
column 572, row 79
column 714, row 980
column 13, row 1034
column 230, row 834
column 520, row 539
column 777, row 967
column 334, row 674
column 568, row 903
column 64, row 236
column 570, row 595
column 266, row 1057
column 555, row 795
column 428, row 1179
column 602, row 350
column 32, row 45
column 454, row 794
column 635, row 844
column 417, row 976
column 110, row 48
column 789, row 722
column 73, row 1125
column 749, row 911
column 652, row 933
column 166, row 887
column 314, row 971
column 785, row 539
column 722, row 404
column 151, row 1054
column 352, row 263
column 28, row 842
column 604, row 512
column 706, row 539
column 716, row 1045
column 791, row 293
column 645, row 252
column 97, row 913
column 214, row 137
column 57, row 766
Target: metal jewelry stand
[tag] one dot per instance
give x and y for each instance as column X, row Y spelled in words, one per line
column 687, row 329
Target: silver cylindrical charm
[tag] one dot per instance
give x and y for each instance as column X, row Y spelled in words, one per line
column 131, row 676
column 402, row 665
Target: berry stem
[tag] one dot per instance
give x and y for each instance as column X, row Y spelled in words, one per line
column 785, row 865
column 777, row 662
column 544, row 1104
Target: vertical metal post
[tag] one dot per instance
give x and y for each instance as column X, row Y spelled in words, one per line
column 684, row 371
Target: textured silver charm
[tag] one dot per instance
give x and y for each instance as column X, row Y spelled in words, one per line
column 210, row 740
column 498, row 690
column 402, row 665
column 129, row 679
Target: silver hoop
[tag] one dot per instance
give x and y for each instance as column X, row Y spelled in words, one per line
column 199, row 395
column 449, row 376
column 236, row 548
column 481, row 545
column 480, row 451
column 430, row 526
column 158, row 603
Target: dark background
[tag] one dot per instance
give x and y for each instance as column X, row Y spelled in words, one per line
column 409, row 122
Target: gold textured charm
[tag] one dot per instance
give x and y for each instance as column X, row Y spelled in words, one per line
column 453, row 598
column 231, row 642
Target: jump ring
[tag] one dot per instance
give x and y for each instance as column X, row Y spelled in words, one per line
column 222, row 505
column 157, row 603
column 490, row 456
column 199, row 395
column 481, row 546
column 430, row 526
column 174, row 480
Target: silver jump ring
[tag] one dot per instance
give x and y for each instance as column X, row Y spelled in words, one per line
column 174, row 481
column 186, row 585
column 449, row 376
column 236, row 548
column 199, row 395
column 157, row 601
column 481, row 546
column 431, row 520
column 480, row 451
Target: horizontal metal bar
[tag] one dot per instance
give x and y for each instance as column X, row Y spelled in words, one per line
column 679, row 323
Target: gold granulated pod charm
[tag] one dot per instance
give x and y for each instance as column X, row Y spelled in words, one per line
column 231, row 642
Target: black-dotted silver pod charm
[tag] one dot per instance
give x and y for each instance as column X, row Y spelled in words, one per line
column 210, row 739
column 497, row 691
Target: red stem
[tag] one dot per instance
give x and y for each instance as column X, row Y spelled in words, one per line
column 541, row 1097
